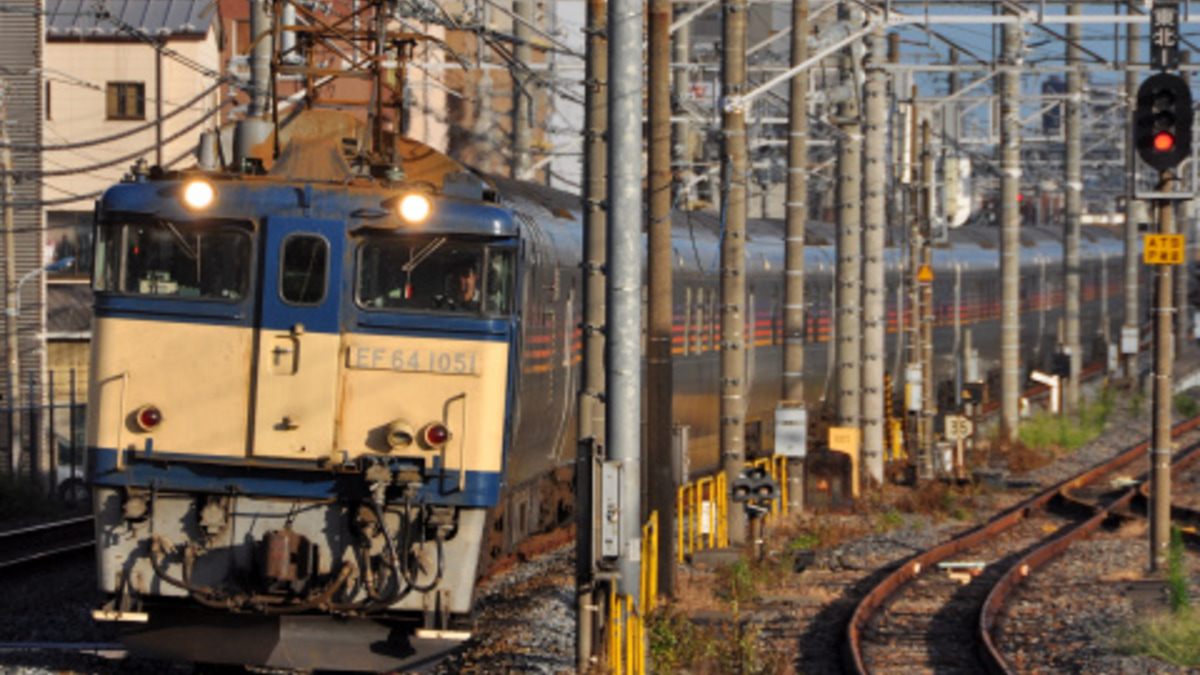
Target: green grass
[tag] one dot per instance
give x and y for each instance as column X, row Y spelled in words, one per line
column 1046, row 430
column 889, row 520
column 1137, row 402
column 1177, row 581
column 804, row 541
column 1170, row 637
column 740, row 582
column 1186, row 406
column 676, row 643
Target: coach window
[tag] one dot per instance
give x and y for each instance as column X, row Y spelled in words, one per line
column 435, row 274
column 304, row 270
column 207, row 261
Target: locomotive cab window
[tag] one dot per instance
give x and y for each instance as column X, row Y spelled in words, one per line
column 205, row 261
column 434, row 274
column 304, row 270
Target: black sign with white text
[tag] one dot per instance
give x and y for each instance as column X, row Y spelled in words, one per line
column 1164, row 35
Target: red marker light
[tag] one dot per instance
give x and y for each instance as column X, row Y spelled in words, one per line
column 436, row 434
column 148, row 417
column 1163, row 141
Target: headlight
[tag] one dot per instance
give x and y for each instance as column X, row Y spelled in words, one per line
column 414, row 208
column 399, row 435
column 198, row 195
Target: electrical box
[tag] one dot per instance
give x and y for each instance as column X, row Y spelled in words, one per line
column 791, row 430
column 914, row 400
column 1129, row 340
column 610, row 510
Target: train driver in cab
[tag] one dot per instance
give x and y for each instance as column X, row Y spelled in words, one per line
column 468, row 287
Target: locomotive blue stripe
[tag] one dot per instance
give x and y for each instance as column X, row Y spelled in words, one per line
column 241, row 314
column 174, row 311
column 191, row 473
column 431, row 325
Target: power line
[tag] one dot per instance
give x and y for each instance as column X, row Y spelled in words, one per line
column 26, row 175
column 115, row 137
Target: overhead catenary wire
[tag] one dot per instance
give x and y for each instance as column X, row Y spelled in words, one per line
column 114, row 137
column 26, row 175
column 59, row 201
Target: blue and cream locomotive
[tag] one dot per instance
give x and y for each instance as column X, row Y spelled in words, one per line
column 305, row 400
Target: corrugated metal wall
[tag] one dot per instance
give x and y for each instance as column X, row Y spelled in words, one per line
column 21, row 40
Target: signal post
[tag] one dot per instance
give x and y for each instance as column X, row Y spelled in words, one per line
column 1163, row 137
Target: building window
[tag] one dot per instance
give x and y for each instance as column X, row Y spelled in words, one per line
column 126, row 101
column 69, row 235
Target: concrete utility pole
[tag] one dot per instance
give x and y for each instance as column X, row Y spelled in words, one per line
column 659, row 415
column 874, row 292
column 681, row 152
column 796, row 212
column 914, row 399
column 1074, row 183
column 1160, row 458
column 624, row 309
column 591, row 394
column 1184, row 225
column 796, row 215
column 522, row 89
column 11, row 340
column 1010, row 230
column 1134, row 208
column 848, row 296
column 733, row 259
column 925, row 285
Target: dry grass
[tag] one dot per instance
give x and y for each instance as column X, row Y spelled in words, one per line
column 1020, row 458
column 942, row 500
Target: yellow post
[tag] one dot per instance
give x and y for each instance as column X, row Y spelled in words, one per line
column 681, row 521
column 782, row 479
column 649, row 584
column 700, row 486
column 613, row 631
column 629, row 631
column 722, row 518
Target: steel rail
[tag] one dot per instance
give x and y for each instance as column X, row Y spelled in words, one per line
column 1008, row 583
column 38, row 542
column 108, row 650
column 878, row 596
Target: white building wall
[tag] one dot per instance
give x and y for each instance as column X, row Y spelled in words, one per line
column 78, row 73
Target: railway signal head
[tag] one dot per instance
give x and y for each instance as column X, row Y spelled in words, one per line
column 1163, row 121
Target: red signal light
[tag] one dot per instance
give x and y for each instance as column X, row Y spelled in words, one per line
column 1163, row 141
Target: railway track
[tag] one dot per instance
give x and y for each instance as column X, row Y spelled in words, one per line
column 936, row 612
column 48, row 540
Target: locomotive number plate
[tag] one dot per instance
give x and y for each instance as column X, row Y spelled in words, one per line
column 412, row 360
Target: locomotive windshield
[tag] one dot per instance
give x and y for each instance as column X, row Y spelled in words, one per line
column 160, row 258
column 434, row 274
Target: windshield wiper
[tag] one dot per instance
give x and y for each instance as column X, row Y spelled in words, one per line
column 187, row 248
column 420, row 256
